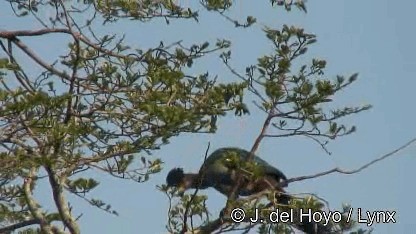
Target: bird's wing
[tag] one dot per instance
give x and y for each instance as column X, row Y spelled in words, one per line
column 270, row 170
column 220, row 169
column 219, row 158
column 215, row 171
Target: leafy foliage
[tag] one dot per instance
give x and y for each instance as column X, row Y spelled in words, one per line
column 106, row 106
column 293, row 96
column 102, row 106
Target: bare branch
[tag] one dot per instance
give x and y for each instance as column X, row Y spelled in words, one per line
column 33, row 205
column 22, row 224
column 61, row 204
column 39, row 61
column 349, row 172
column 21, row 77
column 27, row 33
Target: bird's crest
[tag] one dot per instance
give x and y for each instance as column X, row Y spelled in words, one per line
column 175, row 177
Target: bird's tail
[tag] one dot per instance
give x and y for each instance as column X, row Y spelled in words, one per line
column 303, row 225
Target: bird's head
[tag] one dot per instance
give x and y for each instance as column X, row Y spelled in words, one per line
column 176, row 178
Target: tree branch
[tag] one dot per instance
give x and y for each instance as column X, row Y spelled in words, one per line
column 235, row 191
column 39, row 61
column 354, row 171
column 61, row 204
column 12, row 35
column 22, row 224
column 33, row 205
column 28, row 33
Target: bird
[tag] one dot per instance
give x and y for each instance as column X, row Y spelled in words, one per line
column 221, row 170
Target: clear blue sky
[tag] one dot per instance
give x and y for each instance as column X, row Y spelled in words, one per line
column 374, row 38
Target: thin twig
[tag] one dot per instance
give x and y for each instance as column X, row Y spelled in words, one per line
column 349, row 172
column 188, row 206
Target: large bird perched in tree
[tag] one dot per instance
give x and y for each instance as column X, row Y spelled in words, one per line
column 221, row 170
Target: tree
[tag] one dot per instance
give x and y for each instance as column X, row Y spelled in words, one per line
column 103, row 104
